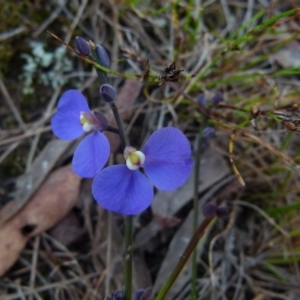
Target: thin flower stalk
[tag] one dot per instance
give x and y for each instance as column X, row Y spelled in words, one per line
column 128, row 219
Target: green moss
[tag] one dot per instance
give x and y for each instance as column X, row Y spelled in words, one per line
column 13, row 13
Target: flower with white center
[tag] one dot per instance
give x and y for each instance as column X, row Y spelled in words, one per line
column 73, row 119
column 166, row 161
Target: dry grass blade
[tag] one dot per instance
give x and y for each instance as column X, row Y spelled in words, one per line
column 235, row 170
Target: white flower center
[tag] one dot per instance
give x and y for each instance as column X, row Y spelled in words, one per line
column 86, row 125
column 135, row 160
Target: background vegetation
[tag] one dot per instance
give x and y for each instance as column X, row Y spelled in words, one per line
column 248, row 51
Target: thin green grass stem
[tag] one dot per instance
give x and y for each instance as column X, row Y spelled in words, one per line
column 257, row 30
column 193, row 295
column 184, row 258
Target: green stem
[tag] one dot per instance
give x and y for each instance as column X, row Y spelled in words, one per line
column 184, row 258
column 195, row 206
column 128, row 219
column 112, row 129
column 118, row 119
column 128, row 256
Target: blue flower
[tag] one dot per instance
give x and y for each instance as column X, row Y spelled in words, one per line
column 166, row 160
column 73, row 119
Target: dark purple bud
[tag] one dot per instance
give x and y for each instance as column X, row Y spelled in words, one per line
column 209, row 209
column 222, row 211
column 201, row 100
column 143, row 294
column 208, row 132
column 102, row 56
column 107, row 93
column 138, row 294
column 117, row 295
column 147, row 294
column 82, row 46
column 216, row 99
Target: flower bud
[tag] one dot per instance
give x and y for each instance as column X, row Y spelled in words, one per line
column 222, row 211
column 82, row 46
column 117, row 295
column 201, row 100
column 208, row 132
column 102, row 56
column 209, row 210
column 138, row 294
column 143, row 294
column 216, row 99
column 107, row 93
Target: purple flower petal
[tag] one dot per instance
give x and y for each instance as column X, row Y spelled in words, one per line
column 121, row 190
column 91, row 155
column 66, row 122
column 72, row 102
column 168, row 161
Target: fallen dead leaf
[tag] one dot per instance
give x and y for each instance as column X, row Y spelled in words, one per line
column 50, row 204
column 69, row 230
column 29, row 183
